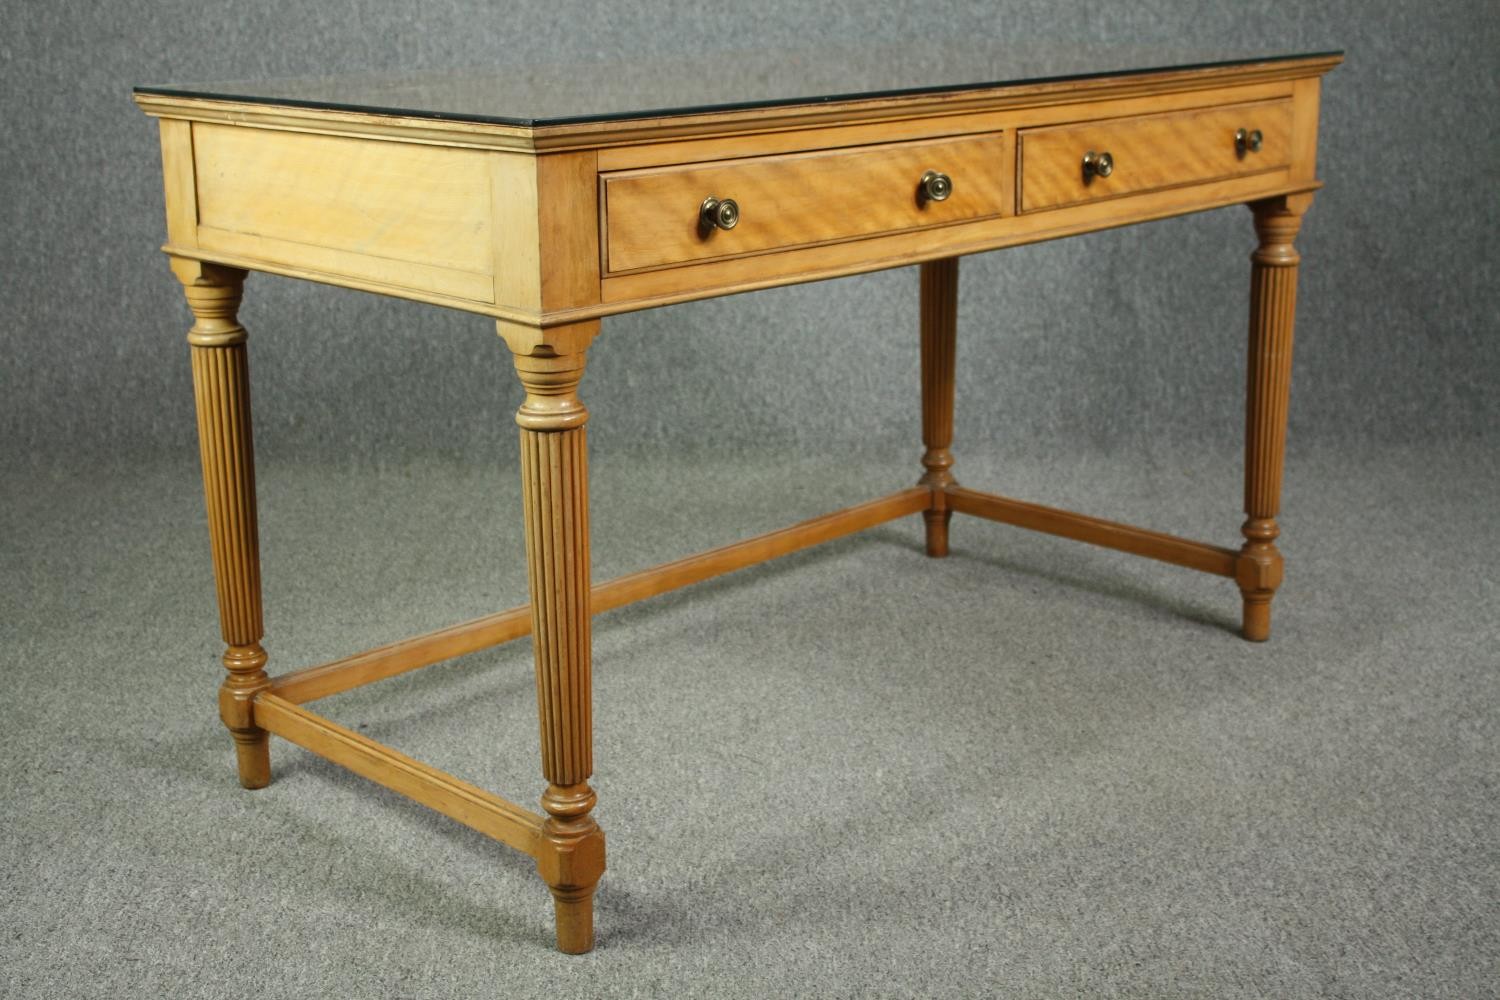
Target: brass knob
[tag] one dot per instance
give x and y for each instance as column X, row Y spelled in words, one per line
column 1247, row 141
column 718, row 213
column 934, row 186
column 1097, row 165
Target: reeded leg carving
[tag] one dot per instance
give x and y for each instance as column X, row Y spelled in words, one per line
column 939, row 341
column 221, row 388
column 1273, row 301
column 554, row 474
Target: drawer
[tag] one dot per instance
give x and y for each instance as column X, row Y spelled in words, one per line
column 652, row 215
column 1150, row 153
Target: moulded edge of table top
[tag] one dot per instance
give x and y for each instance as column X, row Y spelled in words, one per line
column 542, row 138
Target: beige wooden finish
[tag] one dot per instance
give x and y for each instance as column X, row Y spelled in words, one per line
column 549, row 229
column 1151, row 153
column 651, row 215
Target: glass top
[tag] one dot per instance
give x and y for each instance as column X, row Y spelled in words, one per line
column 620, row 89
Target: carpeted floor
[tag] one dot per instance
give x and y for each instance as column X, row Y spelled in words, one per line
column 1032, row 769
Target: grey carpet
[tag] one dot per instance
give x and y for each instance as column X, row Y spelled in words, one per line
column 1032, row 769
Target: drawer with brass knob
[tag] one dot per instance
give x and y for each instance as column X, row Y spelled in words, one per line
column 663, row 216
column 1076, row 163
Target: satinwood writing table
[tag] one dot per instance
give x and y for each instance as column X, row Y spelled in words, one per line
column 538, row 200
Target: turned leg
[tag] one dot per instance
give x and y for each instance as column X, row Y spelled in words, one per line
column 1273, row 301
column 554, row 476
column 939, row 335
column 221, row 388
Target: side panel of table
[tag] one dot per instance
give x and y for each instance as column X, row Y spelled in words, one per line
column 479, row 230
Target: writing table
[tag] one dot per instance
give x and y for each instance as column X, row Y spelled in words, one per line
column 536, row 199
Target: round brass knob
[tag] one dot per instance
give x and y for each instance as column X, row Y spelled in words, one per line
column 1247, row 141
column 935, row 186
column 718, row 213
column 1097, row 165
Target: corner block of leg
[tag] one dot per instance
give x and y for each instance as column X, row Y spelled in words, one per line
column 570, row 859
column 252, row 744
column 1258, row 573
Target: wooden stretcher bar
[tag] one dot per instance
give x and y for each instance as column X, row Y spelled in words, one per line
column 473, row 807
column 1096, row 531
column 398, row 657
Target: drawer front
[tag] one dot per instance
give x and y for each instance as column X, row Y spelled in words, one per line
column 651, row 216
column 1150, row 153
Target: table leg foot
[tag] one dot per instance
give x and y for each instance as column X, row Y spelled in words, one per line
column 252, row 744
column 575, row 920
column 1257, row 618
column 253, row 756
column 1258, row 574
column 571, row 862
column 937, row 531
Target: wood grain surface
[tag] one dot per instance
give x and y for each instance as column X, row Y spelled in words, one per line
column 473, row 807
column 651, row 215
column 1150, row 153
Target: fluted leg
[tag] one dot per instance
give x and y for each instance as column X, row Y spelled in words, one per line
column 939, row 340
column 221, row 388
column 1273, row 301
column 554, row 473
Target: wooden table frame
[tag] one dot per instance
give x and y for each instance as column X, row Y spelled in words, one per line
column 521, row 223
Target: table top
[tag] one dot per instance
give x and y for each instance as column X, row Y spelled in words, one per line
column 607, row 90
